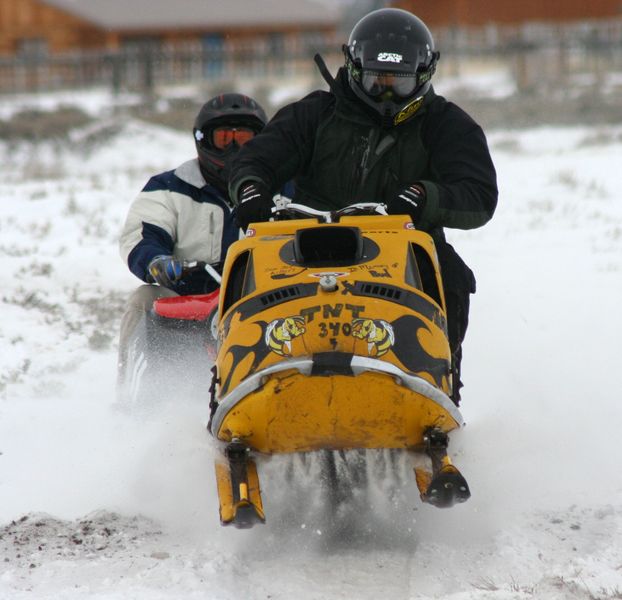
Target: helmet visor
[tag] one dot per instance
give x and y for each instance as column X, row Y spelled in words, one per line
column 224, row 136
column 376, row 83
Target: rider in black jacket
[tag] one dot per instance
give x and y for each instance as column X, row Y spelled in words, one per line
column 380, row 134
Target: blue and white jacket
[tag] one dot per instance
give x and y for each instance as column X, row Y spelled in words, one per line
column 177, row 213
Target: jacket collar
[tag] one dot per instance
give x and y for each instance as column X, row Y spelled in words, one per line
column 349, row 105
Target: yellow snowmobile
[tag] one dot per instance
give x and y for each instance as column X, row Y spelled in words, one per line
column 332, row 336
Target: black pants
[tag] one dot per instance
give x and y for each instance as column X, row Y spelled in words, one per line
column 459, row 284
column 457, row 322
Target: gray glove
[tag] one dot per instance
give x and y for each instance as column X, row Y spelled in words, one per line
column 165, row 270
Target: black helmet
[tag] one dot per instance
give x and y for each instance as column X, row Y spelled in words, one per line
column 390, row 59
column 235, row 111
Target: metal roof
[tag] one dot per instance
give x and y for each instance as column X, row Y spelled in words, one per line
column 190, row 14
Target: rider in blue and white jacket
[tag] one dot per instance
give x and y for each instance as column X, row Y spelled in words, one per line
column 185, row 215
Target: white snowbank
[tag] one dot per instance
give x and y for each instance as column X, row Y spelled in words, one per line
column 118, row 507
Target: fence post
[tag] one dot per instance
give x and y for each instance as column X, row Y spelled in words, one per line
column 114, row 60
column 147, row 64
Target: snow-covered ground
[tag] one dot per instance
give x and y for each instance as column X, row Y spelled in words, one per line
column 98, row 504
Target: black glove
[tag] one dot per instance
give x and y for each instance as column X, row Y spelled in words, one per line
column 165, row 270
column 408, row 201
column 254, row 204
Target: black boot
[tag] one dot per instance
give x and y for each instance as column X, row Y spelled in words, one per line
column 456, row 360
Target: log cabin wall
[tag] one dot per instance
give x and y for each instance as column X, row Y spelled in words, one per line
column 482, row 12
column 29, row 25
column 34, row 27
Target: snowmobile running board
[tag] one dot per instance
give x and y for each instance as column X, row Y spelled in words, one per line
column 445, row 485
column 238, row 488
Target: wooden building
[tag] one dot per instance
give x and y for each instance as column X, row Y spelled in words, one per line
column 477, row 13
column 48, row 27
column 544, row 45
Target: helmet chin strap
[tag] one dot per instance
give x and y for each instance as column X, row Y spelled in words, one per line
column 387, row 117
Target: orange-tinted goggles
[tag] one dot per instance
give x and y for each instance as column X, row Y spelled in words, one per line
column 225, row 136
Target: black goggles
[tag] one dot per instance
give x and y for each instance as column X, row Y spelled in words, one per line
column 376, row 83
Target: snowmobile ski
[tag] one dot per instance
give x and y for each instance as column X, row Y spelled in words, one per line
column 445, row 485
column 238, row 488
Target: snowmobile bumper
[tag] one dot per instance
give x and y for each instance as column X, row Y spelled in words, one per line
column 294, row 406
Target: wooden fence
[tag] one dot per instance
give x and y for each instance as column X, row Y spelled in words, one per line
column 534, row 55
column 138, row 70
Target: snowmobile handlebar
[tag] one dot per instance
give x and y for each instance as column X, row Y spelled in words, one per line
column 191, row 266
column 286, row 209
column 213, row 273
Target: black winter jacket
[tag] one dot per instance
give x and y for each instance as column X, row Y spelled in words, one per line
column 337, row 152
